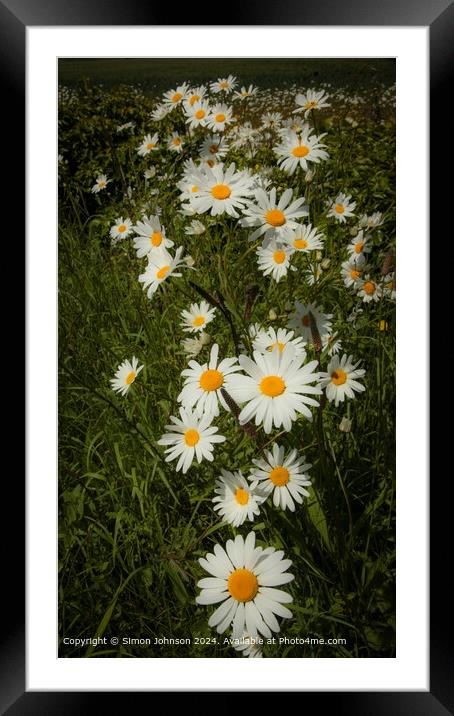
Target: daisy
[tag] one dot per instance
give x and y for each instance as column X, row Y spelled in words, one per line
column 160, row 111
column 221, row 190
column 341, row 207
column 149, row 144
column 193, row 346
column 235, row 499
column 300, row 320
column 340, row 380
column 274, row 259
column 244, row 578
column 266, row 340
column 195, row 94
column 245, row 93
column 275, row 389
column 272, row 120
column 371, row 222
column 313, row 273
column 389, row 286
column 175, row 143
column 192, row 436
column 149, row 173
column 161, row 265
column 293, row 124
column 214, row 146
column 306, row 238
column 221, row 115
column 275, row 220
column 173, row 98
column 121, row 229
column 331, row 344
column 224, row 84
column 197, row 114
column 283, row 475
column 352, row 270
column 195, row 228
column 151, row 236
column 199, row 314
column 358, row 247
column 249, row 647
column 310, row 101
column 202, row 387
column 369, row 290
column 125, row 376
column 296, row 150
column 101, row 183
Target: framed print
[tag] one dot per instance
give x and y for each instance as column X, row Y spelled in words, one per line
column 216, row 226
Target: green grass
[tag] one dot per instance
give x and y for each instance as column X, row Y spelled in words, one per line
column 130, row 527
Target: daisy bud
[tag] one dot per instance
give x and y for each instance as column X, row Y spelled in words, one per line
column 354, row 231
column 345, row 425
column 205, row 338
column 309, row 176
column 325, row 264
column 288, row 306
column 272, row 315
column 318, row 255
column 189, row 260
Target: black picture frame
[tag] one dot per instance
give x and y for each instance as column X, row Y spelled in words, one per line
column 15, row 17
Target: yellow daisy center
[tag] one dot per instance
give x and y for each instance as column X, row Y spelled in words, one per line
column 354, row 274
column 176, row 97
column 280, row 345
column 338, row 377
column 244, row 93
column 150, row 145
column 279, row 476
column 224, row 85
column 198, row 321
column 194, row 99
column 211, row 380
column 279, row 257
column 300, row 151
column 156, row 238
column 221, row 191
column 177, row 141
column 121, row 228
column 272, row 386
column 213, row 148
column 210, row 163
column 359, row 247
column 191, row 437
column 241, row 496
column 339, row 208
column 243, row 585
column 163, row 271
column 200, row 113
column 300, row 244
column 310, row 105
column 130, row 378
column 369, row 288
column 275, row 217
column 102, row 184
column 220, row 117
column 306, row 321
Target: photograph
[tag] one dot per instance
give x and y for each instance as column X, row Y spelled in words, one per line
column 226, row 357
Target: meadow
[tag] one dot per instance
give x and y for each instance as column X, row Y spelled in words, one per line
column 132, row 526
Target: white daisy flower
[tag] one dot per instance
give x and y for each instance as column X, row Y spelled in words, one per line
column 197, row 114
column 274, row 259
column 126, row 125
column 175, row 143
column 274, row 219
column 193, row 346
column 199, row 314
column 196, row 95
column 195, row 228
column 313, row 273
column 389, row 286
column 121, row 229
column 306, row 238
column 161, row 265
column 244, row 578
column 220, row 116
column 369, row 290
column 266, row 340
column 283, row 475
column 252, row 648
column 341, row 208
column 371, row 222
column 174, row 97
column 236, row 501
column 296, row 150
column 221, row 190
column 214, row 146
column 191, row 436
column 340, row 380
column 272, row 120
column 275, row 389
column 224, row 84
column 358, row 247
column 101, row 182
column 149, row 144
column 244, row 93
column 352, row 270
column 331, row 344
column 125, row 376
column 203, row 383
column 149, row 173
column 293, row 124
column 300, row 321
column 310, row 101
column 151, row 236
column 160, row 111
